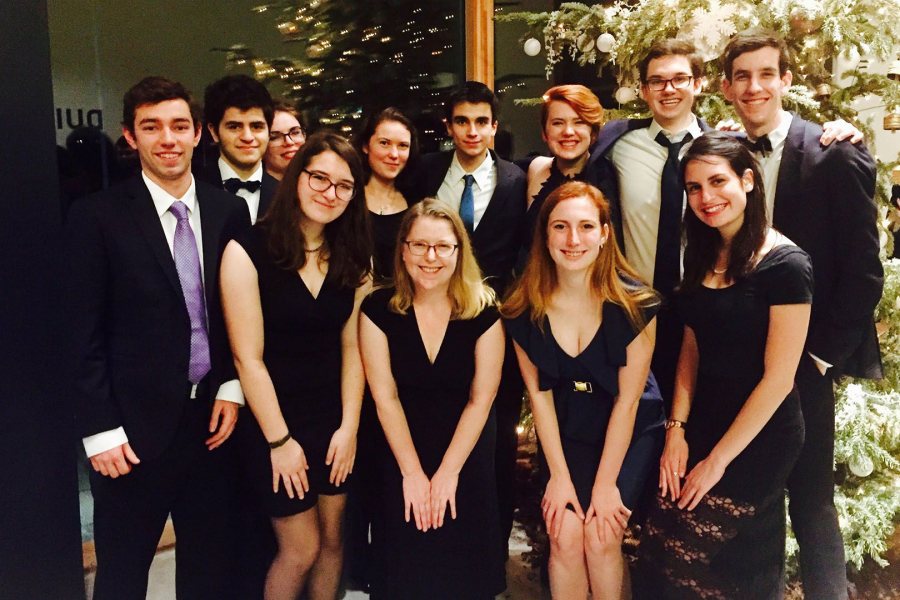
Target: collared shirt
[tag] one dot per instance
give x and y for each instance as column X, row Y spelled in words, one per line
column 770, row 164
column 252, row 198
column 162, row 200
column 639, row 161
column 453, row 185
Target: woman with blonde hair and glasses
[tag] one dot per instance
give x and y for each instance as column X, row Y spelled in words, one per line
column 583, row 326
column 432, row 346
column 291, row 291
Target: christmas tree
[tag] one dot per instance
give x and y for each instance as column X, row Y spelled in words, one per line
column 614, row 37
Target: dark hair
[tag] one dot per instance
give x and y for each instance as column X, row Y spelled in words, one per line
column 702, row 243
column 153, row 90
column 236, row 91
column 672, row 47
column 473, row 92
column 754, row 39
column 283, row 106
column 361, row 140
column 348, row 241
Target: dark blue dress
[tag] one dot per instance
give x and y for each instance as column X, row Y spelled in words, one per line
column 584, row 390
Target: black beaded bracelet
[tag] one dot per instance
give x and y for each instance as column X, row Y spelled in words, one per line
column 281, row 442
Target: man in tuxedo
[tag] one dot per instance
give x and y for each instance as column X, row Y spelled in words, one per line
column 822, row 198
column 490, row 195
column 643, row 154
column 153, row 378
column 238, row 112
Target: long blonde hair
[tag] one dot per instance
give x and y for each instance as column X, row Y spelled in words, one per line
column 469, row 294
column 611, row 279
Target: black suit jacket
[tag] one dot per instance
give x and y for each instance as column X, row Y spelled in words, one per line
column 602, row 170
column 824, row 202
column 129, row 325
column 499, row 235
column 211, row 175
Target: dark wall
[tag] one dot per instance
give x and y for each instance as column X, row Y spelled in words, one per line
column 40, row 545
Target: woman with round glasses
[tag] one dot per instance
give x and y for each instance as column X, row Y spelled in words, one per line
column 285, row 138
column 291, row 291
column 584, row 328
column 433, row 347
column 571, row 118
column 387, row 141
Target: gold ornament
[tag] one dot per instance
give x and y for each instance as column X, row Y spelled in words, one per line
column 892, row 120
column 823, row 91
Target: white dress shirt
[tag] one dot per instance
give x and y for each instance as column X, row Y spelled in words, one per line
column 453, row 185
column 252, row 198
column 770, row 164
column 162, row 200
column 639, row 161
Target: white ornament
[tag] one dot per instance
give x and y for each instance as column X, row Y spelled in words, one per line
column 625, row 94
column 861, row 466
column 605, row 42
column 585, row 43
column 532, row 47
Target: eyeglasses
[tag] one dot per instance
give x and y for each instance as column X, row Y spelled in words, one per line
column 419, row 248
column 679, row 82
column 318, row 182
column 295, row 133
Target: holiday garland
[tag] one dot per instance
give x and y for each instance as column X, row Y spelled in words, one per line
column 615, row 38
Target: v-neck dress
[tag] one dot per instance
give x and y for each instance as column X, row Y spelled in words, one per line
column 460, row 560
column 302, row 353
column 584, row 389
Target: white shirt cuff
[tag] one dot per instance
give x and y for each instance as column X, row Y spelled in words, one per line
column 103, row 441
column 230, row 391
column 822, row 365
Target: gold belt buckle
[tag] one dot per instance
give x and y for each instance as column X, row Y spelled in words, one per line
column 583, row 386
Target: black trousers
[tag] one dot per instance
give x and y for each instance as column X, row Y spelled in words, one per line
column 188, row 481
column 811, row 490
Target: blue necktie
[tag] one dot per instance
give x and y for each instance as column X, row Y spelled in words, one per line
column 467, row 204
column 667, row 267
column 187, row 263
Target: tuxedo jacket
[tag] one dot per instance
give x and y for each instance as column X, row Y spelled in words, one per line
column 211, row 175
column 130, row 327
column 499, row 235
column 824, row 202
column 602, row 169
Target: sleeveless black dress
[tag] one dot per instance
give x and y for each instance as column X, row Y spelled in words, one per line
column 302, row 354
column 460, row 560
column 584, row 388
column 732, row 544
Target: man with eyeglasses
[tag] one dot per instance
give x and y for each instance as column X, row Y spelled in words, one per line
column 238, row 112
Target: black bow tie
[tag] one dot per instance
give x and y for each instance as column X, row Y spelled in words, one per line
column 234, row 184
column 762, row 145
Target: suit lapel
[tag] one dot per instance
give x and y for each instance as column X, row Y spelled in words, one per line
column 144, row 212
column 494, row 208
column 789, row 187
column 211, row 223
column 266, row 193
column 435, row 177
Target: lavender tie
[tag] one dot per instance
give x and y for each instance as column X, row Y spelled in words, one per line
column 187, row 263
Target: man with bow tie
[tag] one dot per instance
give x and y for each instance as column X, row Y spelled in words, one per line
column 822, row 198
column 238, row 112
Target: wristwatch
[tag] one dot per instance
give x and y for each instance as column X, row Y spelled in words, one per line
column 673, row 423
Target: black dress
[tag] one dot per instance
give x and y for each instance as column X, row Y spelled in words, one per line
column 384, row 233
column 461, row 559
column 584, row 389
column 732, row 544
column 302, row 354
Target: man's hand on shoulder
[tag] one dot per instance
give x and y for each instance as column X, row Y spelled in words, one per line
column 115, row 461
column 221, row 422
column 840, row 131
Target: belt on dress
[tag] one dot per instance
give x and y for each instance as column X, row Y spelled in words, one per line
column 583, row 386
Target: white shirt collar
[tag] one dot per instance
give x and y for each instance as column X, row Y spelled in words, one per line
column 228, row 173
column 778, row 135
column 482, row 173
column 163, row 200
column 693, row 128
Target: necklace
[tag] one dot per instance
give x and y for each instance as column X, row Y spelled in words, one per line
column 719, row 271
column 313, row 250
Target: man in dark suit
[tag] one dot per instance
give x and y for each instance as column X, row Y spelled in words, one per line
column 822, row 198
column 649, row 201
column 153, row 375
column 490, row 195
column 238, row 112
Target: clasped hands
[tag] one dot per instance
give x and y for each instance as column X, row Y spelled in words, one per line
column 672, row 467
column 426, row 500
